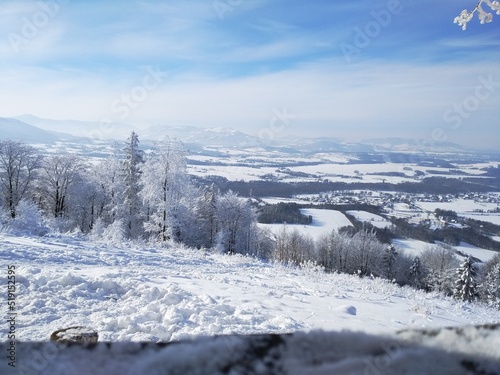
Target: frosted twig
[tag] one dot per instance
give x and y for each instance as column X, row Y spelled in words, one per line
column 484, row 17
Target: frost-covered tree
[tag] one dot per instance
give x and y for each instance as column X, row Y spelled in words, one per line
column 262, row 243
column 491, row 285
column 366, row 252
column 18, row 166
column 58, row 176
column 207, row 215
column 293, row 247
column 484, row 16
column 441, row 264
column 28, row 219
column 164, row 185
column 235, row 217
column 417, row 273
column 466, row 284
column 334, row 252
column 87, row 201
column 131, row 207
column 109, row 177
column 389, row 262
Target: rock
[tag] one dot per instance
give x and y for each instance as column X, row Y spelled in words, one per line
column 78, row 334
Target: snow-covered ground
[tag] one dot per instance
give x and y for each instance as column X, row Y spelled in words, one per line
column 324, row 222
column 375, row 220
column 416, row 248
column 145, row 293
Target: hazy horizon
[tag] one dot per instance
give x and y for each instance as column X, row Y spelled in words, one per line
column 355, row 71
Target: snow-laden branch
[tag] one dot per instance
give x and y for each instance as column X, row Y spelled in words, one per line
column 484, row 16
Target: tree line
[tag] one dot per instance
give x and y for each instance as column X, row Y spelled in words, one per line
column 436, row 269
column 129, row 195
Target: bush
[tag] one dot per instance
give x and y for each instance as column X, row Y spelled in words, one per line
column 28, row 219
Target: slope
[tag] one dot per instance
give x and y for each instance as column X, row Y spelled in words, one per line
column 135, row 292
column 16, row 130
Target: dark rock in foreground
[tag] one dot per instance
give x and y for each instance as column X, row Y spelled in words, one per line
column 458, row 350
column 77, row 335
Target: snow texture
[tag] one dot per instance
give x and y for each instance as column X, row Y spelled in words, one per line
column 455, row 351
column 244, row 315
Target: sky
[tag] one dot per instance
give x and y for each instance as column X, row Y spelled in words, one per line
column 344, row 69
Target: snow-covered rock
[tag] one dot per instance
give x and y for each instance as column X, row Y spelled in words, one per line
column 77, row 334
column 458, row 350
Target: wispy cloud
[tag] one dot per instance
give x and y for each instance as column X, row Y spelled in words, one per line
column 261, row 55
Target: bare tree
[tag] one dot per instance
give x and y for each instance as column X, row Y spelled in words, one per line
column 18, row 166
column 164, row 183
column 441, row 263
column 59, row 173
column 235, row 217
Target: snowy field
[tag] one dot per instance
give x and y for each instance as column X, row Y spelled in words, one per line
column 416, row 248
column 135, row 292
column 324, row 222
column 375, row 220
column 254, row 165
column 461, row 206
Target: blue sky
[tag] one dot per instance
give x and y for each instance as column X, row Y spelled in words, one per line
column 345, row 69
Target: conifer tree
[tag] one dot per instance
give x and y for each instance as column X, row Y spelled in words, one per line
column 465, row 286
column 134, row 157
column 416, row 273
column 389, row 261
column 492, row 286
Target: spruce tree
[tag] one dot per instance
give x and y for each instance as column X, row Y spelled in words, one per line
column 492, row 286
column 416, row 273
column 134, row 157
column 389, row 261
column 465, row 286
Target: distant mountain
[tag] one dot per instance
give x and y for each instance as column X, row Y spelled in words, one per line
column 15, row 130
column 324, row 144
column 412, row 145
column 32, row 129
column 224, row 137
column 86, row 129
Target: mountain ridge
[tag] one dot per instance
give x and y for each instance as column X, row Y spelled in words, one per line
column 36, row 129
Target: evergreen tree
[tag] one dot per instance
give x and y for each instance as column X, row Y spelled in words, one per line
column 492, row 286
column 389, row 261
column 132, row 206
column 416, row 273
column 207, row 215
column 465, row 286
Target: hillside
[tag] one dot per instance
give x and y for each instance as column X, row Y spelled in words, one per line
column 17, row 130
column 137, row 292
